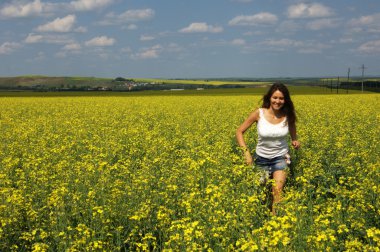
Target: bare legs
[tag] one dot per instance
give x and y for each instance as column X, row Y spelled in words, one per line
column 279, row 178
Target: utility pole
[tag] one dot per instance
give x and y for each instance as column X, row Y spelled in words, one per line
column 348, row 79
column 362, row 68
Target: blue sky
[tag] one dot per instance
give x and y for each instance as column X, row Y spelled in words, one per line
column 189, row 38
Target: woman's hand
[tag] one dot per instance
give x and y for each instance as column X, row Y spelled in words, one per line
column 248, row 157
column 296, row 144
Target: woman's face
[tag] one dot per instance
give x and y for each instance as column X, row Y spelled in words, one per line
column 277, row 100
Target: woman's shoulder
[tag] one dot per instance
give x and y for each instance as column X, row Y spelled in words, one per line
column 256, row 113
column 262, row 111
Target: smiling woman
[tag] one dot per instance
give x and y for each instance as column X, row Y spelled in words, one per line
column 275, row 120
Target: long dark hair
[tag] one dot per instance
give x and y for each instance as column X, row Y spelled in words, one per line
column 288, row 108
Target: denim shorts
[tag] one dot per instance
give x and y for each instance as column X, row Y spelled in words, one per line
column 271, row 165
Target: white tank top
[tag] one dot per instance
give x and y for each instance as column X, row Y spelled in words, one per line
column 272, row 138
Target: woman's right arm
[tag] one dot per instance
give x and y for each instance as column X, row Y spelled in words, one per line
column 253, row 117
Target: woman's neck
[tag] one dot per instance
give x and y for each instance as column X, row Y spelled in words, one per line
column 275, row 113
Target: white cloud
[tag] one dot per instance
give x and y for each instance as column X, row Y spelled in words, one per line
column 137, row 15
column 300, row 46
column 370, row 23
column 366, row 20
column 60, row 54
column 146, row 38
column 80, row 29
column 282, row 43
column 132, row 27
column 174, row 48
column 72, row 47
column 50, row 39
column 148, row 53
column 20, row 9
column 9, row 47
column 289, row 26
column 370, row 47
column 58, row 25
column 238, row 42
column 312, row 47
column 88, row 5
column 40, row 56
column 201, row 27
column 24, row 8
column 100, row 41
column 128, row 17
column 263, row 18
column 324, row 23
column 345, row 40
column 33, row 38
column 314, row 10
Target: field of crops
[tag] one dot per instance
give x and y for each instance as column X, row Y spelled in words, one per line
column 164, row 173
column 206, row 82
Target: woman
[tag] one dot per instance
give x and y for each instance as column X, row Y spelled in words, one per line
column 275, row 120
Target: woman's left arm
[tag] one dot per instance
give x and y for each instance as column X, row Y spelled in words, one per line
column 293, row 135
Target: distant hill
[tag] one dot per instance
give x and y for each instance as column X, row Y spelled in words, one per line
column 52, row 82
column 47, row 83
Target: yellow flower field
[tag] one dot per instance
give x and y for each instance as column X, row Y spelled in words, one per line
column 156, row 173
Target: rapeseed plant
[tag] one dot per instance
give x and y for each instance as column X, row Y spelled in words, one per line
column 163, row 173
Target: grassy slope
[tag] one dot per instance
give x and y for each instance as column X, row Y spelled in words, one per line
column 201, row 82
